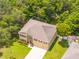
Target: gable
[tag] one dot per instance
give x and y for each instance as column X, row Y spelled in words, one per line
column 50, row 31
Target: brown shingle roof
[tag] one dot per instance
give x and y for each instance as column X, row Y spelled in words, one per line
column 39, row 30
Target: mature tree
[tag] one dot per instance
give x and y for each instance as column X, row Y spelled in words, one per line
column 4, row 37
column 63, row 16
column 15, row 13
column 73, row 21
column 11, row 20
column 63, row 29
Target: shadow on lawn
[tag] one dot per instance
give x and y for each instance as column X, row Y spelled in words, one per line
column 64, row 43
column 11, row 57
column 51, row 47
column 1, row 54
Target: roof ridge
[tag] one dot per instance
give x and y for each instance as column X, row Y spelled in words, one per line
column 43, row 22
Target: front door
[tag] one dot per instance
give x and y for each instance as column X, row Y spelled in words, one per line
column 29, row 40
column 31, row 43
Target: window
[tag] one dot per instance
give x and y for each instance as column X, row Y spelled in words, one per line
column 23, row 40
column 41, row 41
column 45, row 42
column 22, row 35
column 35, row 39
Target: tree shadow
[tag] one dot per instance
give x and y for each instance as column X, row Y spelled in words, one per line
column 64, row 43
column 51, row 47
column 1, row 54
column 11, row 57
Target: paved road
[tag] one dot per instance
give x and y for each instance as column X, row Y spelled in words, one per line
column 36, row 53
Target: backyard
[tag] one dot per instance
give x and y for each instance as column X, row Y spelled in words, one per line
column 57, row 50
column 16, row 51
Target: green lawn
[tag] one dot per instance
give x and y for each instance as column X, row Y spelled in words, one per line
column 18, row 51
column 56, row 51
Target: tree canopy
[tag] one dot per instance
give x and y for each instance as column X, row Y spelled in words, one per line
column 15, row 13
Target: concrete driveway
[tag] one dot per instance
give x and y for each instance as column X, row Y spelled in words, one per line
column 72, row 52
column 36, row 53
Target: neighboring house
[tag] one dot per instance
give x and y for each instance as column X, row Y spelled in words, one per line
column 38, row 33
column 73, row 39
column 72, row 52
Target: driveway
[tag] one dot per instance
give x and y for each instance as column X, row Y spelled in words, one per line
column 72, row 52
column 36, row 53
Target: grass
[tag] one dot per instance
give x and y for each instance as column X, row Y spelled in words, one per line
column 17, row 51
column 56, row 52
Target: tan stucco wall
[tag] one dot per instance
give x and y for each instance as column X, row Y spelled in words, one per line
column 40, row 44
column 43, row 45
column 22, row 38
